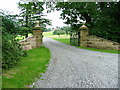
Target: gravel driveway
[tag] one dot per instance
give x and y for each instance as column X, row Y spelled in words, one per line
column 72, row 67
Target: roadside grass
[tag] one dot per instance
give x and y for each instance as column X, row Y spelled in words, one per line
column 27, row 70
column 66, row 39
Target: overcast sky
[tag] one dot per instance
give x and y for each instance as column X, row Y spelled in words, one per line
column 11, row 5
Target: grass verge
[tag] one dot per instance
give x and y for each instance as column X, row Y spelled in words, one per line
column 63, row 40
column 67, row 41
column 27, row 69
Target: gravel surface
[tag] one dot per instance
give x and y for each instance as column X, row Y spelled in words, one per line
column 72, row 67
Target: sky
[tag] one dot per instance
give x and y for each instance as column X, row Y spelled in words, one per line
column 11, row 5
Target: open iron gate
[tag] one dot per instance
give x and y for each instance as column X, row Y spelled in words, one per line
column 75, row 38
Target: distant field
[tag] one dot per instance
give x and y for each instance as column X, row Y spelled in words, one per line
column 47, row 34
column 50, row 35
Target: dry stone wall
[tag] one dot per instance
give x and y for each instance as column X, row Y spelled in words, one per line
column 28, row 43
column 101, row 43
column 33, row 41
column 96, row 42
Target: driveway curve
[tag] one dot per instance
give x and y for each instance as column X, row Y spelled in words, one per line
column 72, row 67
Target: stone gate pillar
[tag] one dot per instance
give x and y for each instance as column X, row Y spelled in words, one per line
column 37, row 34
column 84, row 32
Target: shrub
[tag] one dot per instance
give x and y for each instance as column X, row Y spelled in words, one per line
column 11, row 51
column 58, row 32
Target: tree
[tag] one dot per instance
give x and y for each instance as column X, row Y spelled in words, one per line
column 47, row 29
column 67, row 29
column 9, row 23
column 107, row 25
column 31, row 12
column 11, row 49
column 101, row 17
column 72, row 11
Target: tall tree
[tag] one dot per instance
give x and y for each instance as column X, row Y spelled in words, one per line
column 101, row 17
column 72, row 12
column 31, row 12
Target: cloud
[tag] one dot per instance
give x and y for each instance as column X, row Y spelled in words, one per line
column 55, row 17
column 11, row 5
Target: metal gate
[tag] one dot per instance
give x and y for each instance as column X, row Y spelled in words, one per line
column 75, row 38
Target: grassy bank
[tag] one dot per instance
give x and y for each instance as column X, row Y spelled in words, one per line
column 27, row 69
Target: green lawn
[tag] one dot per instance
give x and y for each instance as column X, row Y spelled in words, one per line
column 27, row 70
column 63, row 40
column 50, row 35
column 47, row 34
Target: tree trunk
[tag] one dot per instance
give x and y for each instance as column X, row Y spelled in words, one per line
column 26, row 35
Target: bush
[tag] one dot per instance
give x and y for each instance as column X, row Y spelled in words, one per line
column 11, row 51
column 67, row 29
column 58, row 32
column 47, row 30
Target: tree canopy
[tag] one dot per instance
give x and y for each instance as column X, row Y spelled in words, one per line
column 31, row 12
column 101, row 17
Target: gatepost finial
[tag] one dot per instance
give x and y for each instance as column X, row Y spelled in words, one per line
column 37, row 25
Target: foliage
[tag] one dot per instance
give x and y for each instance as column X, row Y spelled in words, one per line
column 31, row 12
column 67, row 29
column 46, row 30
column 72, row 12
column 25, row 30
column 107, row 26
column 11, row 49
column 58, row 32
column 101, row 17
column 9, row 23
column 27, row 70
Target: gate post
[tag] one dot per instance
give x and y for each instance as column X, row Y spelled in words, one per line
column 84, row 32
column 37, row 34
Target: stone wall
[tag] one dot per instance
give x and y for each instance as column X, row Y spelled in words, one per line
column 101, row 43
column 95, row 42
column 28, row 43
column 33, row 41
